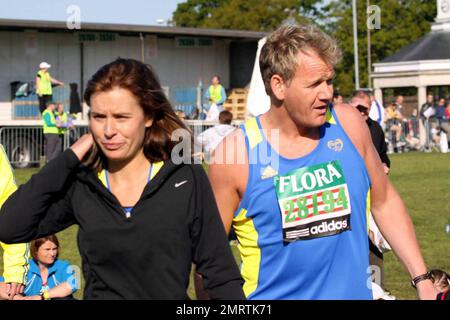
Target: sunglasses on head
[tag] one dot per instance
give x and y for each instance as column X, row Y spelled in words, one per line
column 362, row 108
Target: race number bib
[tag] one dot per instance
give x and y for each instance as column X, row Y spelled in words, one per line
column 314, row 202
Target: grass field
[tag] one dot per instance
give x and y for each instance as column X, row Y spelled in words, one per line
column 423, row 181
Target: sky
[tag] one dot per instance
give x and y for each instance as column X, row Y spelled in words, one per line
column 144, row 12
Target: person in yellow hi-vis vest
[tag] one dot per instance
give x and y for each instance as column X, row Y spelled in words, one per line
column 51, row 132
column 63, row 122
column 15, row 256
column 44, row 85
column 216, row 96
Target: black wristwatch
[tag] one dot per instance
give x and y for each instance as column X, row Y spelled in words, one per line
column 416, row 280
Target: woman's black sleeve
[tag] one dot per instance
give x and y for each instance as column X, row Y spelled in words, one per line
column 212, row 254
column 41, row 206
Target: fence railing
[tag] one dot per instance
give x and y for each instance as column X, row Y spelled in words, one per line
column 25, row 145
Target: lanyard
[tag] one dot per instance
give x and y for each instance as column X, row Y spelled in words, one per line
column 127, row 210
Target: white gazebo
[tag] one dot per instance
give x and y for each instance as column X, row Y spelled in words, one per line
column 423, row 63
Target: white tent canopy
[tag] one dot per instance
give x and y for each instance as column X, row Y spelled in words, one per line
column 258, row 102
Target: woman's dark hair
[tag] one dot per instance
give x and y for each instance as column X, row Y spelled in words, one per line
column 440, row 279
column 142, row 82
column 225, row 117
column 36, row 244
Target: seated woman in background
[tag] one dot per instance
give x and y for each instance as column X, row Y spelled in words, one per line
column 441, row 281
column 48, row 277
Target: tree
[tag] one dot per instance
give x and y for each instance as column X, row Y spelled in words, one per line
column 194, row 13
column 402, row 22
column 255, row 15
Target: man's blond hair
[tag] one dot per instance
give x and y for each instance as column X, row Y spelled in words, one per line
column 279, row 53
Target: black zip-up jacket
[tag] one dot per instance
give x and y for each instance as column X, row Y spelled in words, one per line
column 175, row 223
column 377, row 134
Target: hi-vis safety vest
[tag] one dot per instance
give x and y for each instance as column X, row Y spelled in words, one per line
column 15, row 257
column 215, row 93
column 45, row 83
column 47, row 127
column 62, row 118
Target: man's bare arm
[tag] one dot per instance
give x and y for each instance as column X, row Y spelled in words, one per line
column 228, row 174
column 387, row 207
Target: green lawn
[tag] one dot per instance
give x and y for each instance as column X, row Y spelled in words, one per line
column 423, row 181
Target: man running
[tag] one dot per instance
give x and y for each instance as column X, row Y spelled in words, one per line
column 298, row 198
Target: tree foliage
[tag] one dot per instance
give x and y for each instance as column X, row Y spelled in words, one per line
column 255, row 15
column 402, row 22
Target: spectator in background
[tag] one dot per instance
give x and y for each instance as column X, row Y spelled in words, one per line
column 48, row 277
column 51, row 132
column 399, row 101
column 210, row 138
column 447, row 111
column 337, row 98
column 15, row 256
column 412, row 136
column 180, row 114
column 216, row 96
column 377, row 111
column 394, row 112
column 394, row 120
column 446, row 123
column 414, row 124
column 441, row 281
column 361, row 101
column 44, row 83
column 427, row 105
column 440, row 111
column 195, row 114
column 63, row 122
column 427, row 111
column 442, row 118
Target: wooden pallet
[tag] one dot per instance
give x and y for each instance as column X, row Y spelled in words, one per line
column 236, row 103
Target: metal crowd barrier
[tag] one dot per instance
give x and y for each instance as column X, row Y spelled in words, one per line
column 25, row 145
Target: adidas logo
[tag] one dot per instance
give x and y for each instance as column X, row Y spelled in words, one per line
column 329, row 227
column 269, row 172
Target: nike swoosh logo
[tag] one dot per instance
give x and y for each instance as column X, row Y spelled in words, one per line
column 180, row 183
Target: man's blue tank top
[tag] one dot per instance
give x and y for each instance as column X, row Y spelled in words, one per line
column 302, row 223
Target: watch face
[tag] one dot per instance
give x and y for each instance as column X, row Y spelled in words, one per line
column 445, row 5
